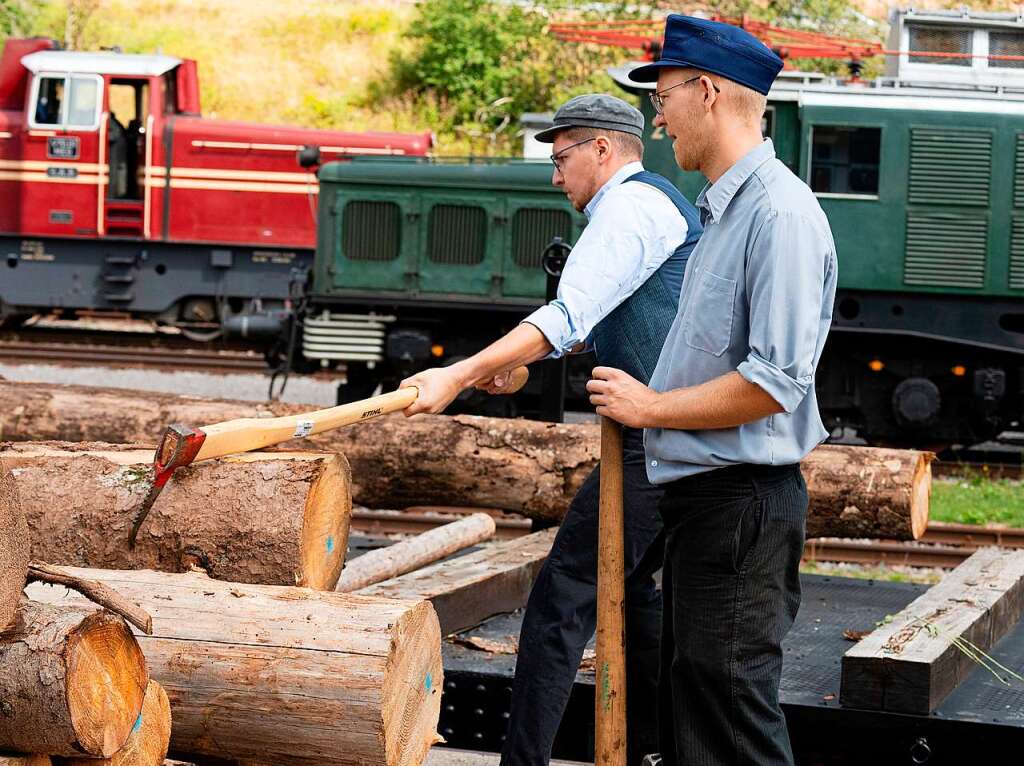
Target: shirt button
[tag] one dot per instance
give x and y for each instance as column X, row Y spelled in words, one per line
column 654, row 464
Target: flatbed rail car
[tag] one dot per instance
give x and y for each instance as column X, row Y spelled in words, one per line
column 116, row 194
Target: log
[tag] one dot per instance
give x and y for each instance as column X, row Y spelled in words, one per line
column 72, row 680
column 274, row 518
column 467, row 590
column 868, row 492
column 285, row 675
column 407, row 555
column 912, row 662
column 14, row 547
column 523, row 466
column 148, row 742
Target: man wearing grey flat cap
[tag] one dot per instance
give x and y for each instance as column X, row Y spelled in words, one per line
column 617, row 296
column 730, row 410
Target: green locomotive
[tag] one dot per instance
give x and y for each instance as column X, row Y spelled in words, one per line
column 921, row 174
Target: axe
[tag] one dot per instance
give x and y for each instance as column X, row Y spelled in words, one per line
column 182, row 445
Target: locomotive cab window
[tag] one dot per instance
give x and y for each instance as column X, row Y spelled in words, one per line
column 68, row 101
column 845, row 160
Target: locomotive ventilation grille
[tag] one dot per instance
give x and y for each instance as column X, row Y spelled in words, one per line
column 371, row 231
column 1017, row 255
column 532, row 231
column 345, row 337
column 457, row 234
column 948, row 167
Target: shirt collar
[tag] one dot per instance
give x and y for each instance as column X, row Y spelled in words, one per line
column 715, row 198
column 627, row 170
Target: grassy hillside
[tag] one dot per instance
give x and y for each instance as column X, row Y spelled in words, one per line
column 312, row 63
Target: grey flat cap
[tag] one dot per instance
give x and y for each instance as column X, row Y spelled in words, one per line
column 595, row 110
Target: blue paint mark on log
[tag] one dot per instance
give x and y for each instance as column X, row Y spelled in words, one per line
column 428, row 681
column 330, row 544
column 138, row 724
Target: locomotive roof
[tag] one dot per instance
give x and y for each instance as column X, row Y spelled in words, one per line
column 811, row 88
column 99, row 63
column 532, row 176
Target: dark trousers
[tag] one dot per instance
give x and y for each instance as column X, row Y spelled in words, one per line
column 731, row 590
column 561, row 617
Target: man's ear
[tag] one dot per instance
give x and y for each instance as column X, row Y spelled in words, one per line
column 604, row 148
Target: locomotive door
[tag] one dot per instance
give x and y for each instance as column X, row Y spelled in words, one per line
column 127, row 128
column 534, row 221
column 462, row 242
column 371, row 242
column 62, row 172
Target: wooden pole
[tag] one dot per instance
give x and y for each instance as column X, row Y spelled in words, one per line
column 409, row 555
column 610, row 696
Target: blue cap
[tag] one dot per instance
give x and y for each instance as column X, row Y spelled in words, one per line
column 714, row 47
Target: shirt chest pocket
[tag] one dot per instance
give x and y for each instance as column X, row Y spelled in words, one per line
column 709, row 325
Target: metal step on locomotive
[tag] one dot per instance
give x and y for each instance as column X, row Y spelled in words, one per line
column 921, row 173
column 116, row 194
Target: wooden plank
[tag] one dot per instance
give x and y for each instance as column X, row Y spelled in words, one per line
column 911, row 663
column 468, row 589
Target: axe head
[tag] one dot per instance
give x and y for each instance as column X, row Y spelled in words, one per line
column 178, row 447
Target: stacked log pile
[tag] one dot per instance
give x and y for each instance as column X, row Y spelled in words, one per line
column 258, row 659
column 72, row 677
column 285, row 675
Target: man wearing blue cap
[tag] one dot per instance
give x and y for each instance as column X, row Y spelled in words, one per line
column 618, row 295
column 730, row 410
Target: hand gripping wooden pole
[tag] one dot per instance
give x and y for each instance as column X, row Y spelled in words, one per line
column 610, row 696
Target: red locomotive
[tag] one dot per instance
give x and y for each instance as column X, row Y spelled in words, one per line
column 116, row 194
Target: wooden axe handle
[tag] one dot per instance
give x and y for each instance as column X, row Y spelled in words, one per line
column 247, row 434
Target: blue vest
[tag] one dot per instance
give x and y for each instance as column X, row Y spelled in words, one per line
column 631, row 336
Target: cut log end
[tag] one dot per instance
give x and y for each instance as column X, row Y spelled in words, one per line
column 105, row 665
column 151, row 734
column 412, row 688
column 921, row 489
column 325, row 526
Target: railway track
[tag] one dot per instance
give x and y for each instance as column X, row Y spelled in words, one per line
column 943, row 545
column 113, row 348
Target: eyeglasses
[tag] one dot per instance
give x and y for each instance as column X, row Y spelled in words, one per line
column 659, row 103
column 557, row 159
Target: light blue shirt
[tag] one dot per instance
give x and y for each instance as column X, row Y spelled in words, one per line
column 632, row 230
column 757, row 298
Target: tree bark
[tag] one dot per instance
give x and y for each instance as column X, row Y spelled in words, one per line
column 286, row 675
column 72, row 680
column 275, row 518
column 150, row 737
column 407, row 555
column 868, row 492
column 14, row 547
column 523, row 466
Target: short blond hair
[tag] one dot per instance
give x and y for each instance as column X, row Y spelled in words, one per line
column 748, row 104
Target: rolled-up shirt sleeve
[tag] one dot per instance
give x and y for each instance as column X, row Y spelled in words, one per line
column 790, row 262
column 626, row 242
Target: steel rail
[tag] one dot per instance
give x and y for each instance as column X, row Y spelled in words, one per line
column 131, row 356
column 943, row 545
